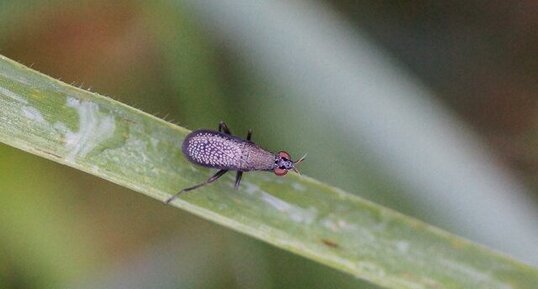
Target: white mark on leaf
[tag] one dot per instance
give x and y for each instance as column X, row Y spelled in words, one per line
column 298, row 186
column 402, row 246
column 12, row 95
column 94, row 128
column 32, row 113
column 296, row 214
column 154, row 143
column 461, row 270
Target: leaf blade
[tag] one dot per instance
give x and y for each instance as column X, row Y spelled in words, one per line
column 126, row 146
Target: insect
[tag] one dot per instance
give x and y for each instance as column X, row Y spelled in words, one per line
column 221, row 150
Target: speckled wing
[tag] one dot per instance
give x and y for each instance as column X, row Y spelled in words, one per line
column 218, row 150
column 213, row 149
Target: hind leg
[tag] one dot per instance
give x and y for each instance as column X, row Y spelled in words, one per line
column 208, row 181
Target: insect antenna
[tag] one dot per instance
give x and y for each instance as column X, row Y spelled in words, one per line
column 298, row 161
column 301, row 159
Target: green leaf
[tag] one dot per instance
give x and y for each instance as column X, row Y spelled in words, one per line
column 126, row 146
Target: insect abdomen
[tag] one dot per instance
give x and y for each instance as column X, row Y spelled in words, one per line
column 218, row 150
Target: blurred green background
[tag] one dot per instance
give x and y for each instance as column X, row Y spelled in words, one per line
column 62, row 228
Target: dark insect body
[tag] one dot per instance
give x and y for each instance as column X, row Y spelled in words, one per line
column 221, row 150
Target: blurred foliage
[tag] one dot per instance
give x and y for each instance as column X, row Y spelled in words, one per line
column 480, row 58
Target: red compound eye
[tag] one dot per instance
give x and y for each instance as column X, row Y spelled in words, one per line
column 280, row 172
column 284, row 155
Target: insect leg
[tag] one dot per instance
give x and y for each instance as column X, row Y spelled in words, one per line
column 224, row 128
column 210, row 180
column 240, row 173
column 238, row 179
